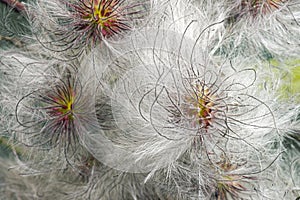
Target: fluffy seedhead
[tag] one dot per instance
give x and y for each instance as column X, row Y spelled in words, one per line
column 56, row 114
column 83, row 24
column 179, row 100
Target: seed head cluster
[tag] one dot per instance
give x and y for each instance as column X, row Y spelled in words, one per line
column 148, row 99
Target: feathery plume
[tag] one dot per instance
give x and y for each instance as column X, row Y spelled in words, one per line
column 52, row 102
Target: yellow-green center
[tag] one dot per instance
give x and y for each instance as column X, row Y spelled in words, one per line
column 103, row 14
column 199, row 105
column 65, row 106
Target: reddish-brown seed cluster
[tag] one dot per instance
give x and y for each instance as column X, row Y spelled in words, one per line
column 197, row 108
column 60, row 104
column 98, row 19
column 200, row 105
